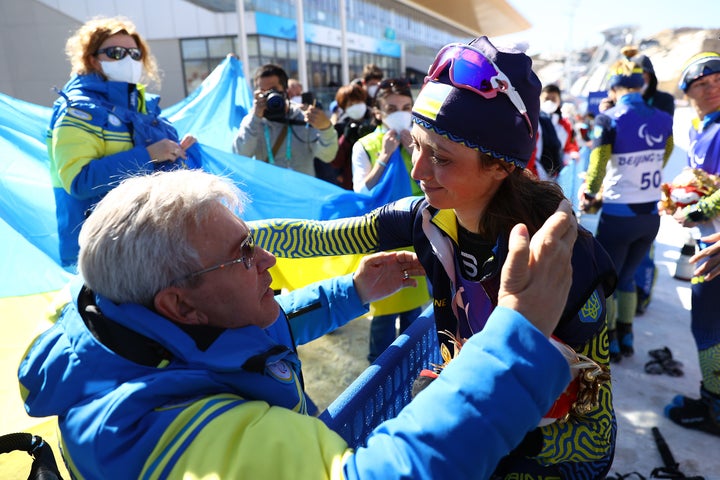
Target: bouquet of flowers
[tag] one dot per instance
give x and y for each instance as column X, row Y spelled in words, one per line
column 578, row 399
column 687, row 188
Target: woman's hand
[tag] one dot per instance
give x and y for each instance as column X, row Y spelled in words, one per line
column 390, row 143
column 407, row 141
column 166, row 151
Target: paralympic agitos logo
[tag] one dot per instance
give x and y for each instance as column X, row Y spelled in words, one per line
column 648, row 137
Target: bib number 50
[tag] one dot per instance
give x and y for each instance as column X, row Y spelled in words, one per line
column 650, row 179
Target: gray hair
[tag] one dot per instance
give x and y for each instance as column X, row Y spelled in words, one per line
column 135, row 243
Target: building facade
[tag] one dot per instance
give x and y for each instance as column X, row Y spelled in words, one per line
column 190, row 38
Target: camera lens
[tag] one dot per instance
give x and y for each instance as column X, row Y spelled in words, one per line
column 275, row 102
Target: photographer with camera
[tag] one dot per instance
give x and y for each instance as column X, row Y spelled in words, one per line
column 281, row 132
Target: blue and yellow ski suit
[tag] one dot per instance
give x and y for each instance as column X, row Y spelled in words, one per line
column 97, row 136
column 162, row 403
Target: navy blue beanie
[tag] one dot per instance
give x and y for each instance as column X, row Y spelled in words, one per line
column 490, row 125
column 627, row 74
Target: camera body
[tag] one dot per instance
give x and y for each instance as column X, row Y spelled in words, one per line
column 307, row 98
column 274, row 104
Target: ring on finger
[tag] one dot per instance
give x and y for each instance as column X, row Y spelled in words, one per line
column 406, row 275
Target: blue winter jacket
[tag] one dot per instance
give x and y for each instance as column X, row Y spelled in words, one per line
column 98, row 134
column 168, row 403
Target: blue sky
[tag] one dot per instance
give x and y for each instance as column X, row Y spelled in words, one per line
column 560, row 25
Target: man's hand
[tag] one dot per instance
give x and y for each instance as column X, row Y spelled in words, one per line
column 259, row 103
column 711, row 268
column 537, row 274
column 681, row 217
column 382, row 274
column 316, row 117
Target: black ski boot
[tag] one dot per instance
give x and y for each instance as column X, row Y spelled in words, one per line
column 625, row 338
column 699, row 414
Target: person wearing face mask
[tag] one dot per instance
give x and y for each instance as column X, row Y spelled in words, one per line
column 295, row 90
column 105, row 127
column 390, row 142
column 550, row 103
column 281, row 132
column 372, row 75
column 355, row 121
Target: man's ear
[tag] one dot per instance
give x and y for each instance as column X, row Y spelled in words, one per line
column 173, row 303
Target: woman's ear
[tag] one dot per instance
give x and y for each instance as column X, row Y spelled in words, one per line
column 500, row 170
column 95, row 65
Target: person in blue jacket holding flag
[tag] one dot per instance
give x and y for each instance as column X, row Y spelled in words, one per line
column 175, row 359
column 105, row 127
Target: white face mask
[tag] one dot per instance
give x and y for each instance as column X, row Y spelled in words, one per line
column 356, row 111
column 398, row 121
column 296, row 99
column 123, row 70
column 372, row 90
column 549, row 107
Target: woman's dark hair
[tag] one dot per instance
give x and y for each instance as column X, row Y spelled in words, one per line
column 392, row 86
column 521, row 198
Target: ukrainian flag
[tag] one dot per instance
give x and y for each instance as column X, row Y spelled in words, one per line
column 30, row 272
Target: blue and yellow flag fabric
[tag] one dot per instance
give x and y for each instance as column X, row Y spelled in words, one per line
column 29, row 260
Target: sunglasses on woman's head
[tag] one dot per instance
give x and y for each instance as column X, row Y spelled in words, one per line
column 394, row 82
column 471, row 70
column 118, row 53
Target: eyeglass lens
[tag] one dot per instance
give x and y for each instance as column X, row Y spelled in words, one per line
column 248, row 251
column 118, row 53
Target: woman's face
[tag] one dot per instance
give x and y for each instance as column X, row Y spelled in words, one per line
column 117, row 40
column 452, row 176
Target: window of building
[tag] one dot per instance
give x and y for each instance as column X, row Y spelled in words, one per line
column 200, row 56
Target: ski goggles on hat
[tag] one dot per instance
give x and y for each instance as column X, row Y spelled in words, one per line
column 118, row 53
column 699, row 68
column 471, row 70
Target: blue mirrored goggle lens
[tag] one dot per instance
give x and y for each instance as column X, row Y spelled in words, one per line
column 471, row 68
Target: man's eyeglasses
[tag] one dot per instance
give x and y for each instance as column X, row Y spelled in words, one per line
column 247, row 252
column 118, row 53
column 471, row 70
